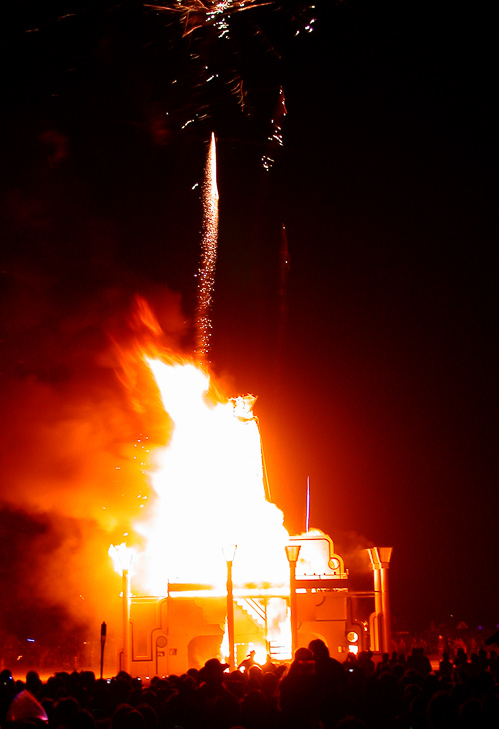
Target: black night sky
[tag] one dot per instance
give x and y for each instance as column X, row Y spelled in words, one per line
column 375, row 368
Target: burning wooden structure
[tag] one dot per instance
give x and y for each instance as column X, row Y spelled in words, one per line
column 187, row 626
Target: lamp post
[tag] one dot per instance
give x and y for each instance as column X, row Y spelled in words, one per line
column 103, row 630
column 125, row 556
column 292, row 553
column 229, row 553
column 126, row 621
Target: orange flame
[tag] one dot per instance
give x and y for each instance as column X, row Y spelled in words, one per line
column 210, row 489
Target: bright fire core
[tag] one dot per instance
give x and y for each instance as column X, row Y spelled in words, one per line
column 210, row 492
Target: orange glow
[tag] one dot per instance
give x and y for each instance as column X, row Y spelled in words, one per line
column 208, row 493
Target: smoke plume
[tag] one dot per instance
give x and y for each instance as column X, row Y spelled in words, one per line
column 73, row 440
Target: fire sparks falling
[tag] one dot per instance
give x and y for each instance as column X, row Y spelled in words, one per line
column 206, row 271
column 275, row 138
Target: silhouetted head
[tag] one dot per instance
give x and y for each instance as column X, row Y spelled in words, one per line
column 6, row 678
column 213, row 670
column 83, row 719
column 351, row 722
column 303, row 655
column 255, row 673
column 194, row 674
column 319, row 649
column 442, row 712
column 269, row 684
column 33, row 682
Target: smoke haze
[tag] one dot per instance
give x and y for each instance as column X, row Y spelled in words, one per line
column 71, row 433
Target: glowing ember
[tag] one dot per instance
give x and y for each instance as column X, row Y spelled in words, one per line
column 208, row 251
column 210, row 488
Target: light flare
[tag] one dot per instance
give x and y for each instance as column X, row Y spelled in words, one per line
column 122, row 557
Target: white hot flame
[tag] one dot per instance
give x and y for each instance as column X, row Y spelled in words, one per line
column 210, row 488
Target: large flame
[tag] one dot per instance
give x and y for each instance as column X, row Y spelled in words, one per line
column 209, row 479
column 210, row 491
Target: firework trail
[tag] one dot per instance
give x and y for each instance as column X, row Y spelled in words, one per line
column 206, row 272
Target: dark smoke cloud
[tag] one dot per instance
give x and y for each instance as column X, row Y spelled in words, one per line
column 353, row 547
column 48, row 590
column 71, row 481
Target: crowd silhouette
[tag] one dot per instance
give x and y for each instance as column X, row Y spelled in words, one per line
column 314, row 691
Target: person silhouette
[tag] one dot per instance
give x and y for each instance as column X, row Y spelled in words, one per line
column 248, row 662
